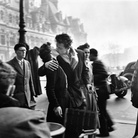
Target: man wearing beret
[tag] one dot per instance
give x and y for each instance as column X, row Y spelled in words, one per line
column 24, row 90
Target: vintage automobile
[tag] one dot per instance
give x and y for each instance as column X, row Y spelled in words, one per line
column 128, row 71
column 119, row 84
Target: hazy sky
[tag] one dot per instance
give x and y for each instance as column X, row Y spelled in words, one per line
column 105, row 21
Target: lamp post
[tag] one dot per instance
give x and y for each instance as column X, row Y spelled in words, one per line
column 21, row 31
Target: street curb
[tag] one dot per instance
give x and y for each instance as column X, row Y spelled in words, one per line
column 124, row 122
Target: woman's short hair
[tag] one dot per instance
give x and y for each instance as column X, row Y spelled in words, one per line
column 65, row 39
column 45, row 52
column 82, row 47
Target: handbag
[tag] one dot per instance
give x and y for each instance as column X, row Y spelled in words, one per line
column 134, row 89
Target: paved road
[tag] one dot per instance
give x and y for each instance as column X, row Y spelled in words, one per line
column 121, row 109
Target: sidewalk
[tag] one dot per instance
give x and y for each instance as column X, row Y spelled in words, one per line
column 123, row 129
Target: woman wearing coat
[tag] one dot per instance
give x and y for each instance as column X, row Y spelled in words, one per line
column 56, row 87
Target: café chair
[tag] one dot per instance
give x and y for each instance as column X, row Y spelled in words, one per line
column 80, row 123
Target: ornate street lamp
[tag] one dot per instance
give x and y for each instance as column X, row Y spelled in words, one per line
column 21, row 31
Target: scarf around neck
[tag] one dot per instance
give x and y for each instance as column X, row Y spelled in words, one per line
column 71, row 58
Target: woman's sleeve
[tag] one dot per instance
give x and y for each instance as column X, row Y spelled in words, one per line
column 50, row 88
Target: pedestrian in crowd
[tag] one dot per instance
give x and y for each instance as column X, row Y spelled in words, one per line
column 32, row 57
column 91, row 96
column 7, row 79
column 56, row 87
column 24, row 90
column 18, row 122
column 100, row 76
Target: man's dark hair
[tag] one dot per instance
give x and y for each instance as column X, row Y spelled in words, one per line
column 82, row 47
column 94, row 52
column 17, row 46
column 65, row 39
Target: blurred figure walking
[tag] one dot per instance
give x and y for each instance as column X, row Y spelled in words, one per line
column 100, row 76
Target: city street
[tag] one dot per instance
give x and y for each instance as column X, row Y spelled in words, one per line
column 121, row 109
column 124, row 116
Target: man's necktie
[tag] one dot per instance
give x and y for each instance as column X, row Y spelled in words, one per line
column 21, row 63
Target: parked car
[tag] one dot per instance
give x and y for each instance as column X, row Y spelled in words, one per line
column 118, row 85
column 128, row 71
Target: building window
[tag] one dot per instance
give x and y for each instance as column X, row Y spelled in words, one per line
column 1, row 15
column 10, row 18
column 2, row 39
column 12, row 39
column 17, row 20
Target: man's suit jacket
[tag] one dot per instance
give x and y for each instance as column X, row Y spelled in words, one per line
column 24, row 90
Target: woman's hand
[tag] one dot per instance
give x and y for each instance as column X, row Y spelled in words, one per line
column 58, row 111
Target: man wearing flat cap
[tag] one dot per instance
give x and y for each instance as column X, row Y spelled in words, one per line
column 24, row 91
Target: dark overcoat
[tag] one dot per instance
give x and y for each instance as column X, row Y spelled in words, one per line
column 33, row 59
column 76, row 77
column 56, row 89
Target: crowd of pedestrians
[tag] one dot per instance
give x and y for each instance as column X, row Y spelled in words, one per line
column 75, row 78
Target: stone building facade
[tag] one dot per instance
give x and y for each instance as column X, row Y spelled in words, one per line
column 42, row 24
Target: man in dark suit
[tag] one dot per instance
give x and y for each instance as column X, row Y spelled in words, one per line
column 100, row 76
column 24, row 90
